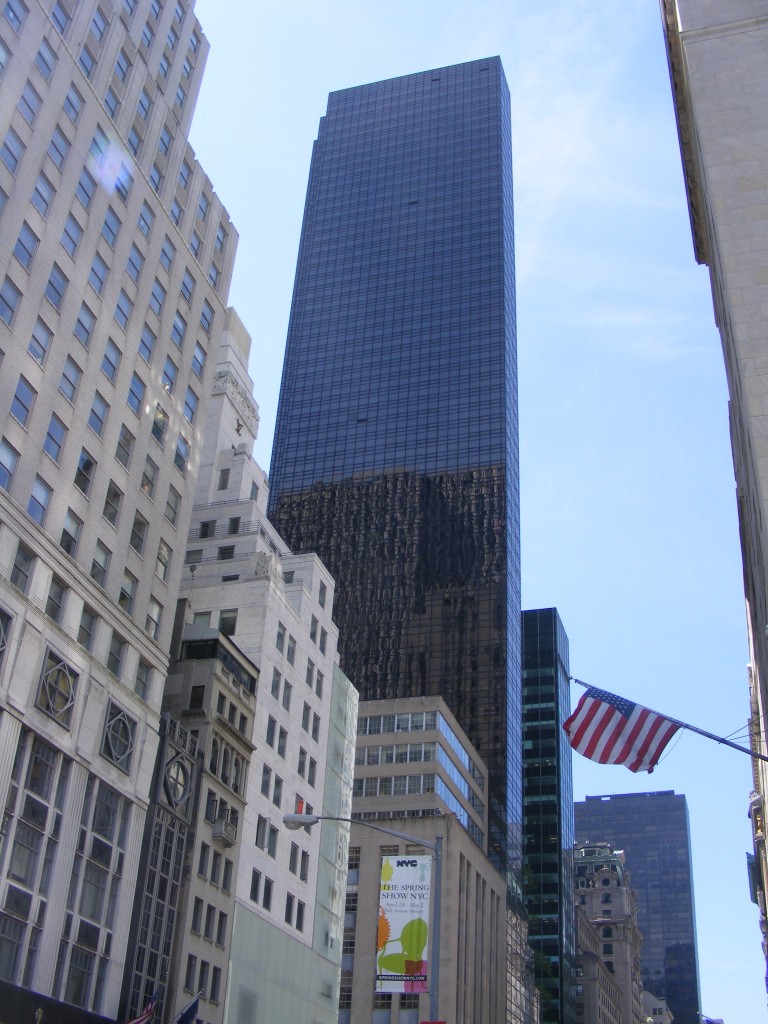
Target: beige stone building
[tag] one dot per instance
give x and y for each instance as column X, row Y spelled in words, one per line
column 718, row 56
column 606, row 899
column 417, row 773
column 598, row 996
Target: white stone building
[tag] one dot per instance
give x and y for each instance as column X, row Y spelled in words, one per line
column 265, row 749
column 113, row 283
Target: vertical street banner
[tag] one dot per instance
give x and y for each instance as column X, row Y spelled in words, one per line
column 403, row 927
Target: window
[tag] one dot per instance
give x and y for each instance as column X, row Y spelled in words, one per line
column 223, row 479
column 29, row 103
column 172, row 506
column 289, row 901
column 185, row 173
column 146, row 220
column 98, row 275
column 54, row 438
column 228, row 621
column 178, row 330
column 206, row 317
column 319, row 678
column 144, row 106
column 312, row 771
column 115, row 654
column 187, row 286
column 255, row 885
column 277, row 791
column 315, row 727
column 157, row 298
column 56, row 287
column 134, row 140
column 98, row 24
column 323, row 640
column 99, row 146
column 87, row 627
column 87, row 62
column 84, row 325
column 123, row 183
column 98, row 414
column 163, row 560
column 147, row 35
column 170, row 372
column 43, row 195
column 58, row 147
column 181, row 96
column 73, row 104
column 123, row 310
column 23, row 400
column 86, row 188
column 165, row 140
column 299, row 916
column 181, row 458
column 86, row 467
column 203, row 206
column 196, row 244
column 119, row 737
column 112, row 103
column 198, row 360
column 122, row 66
column 287, row 692
column 111, row 360
column 72, row 235
column 139, row 533
column 39, row 500
column 149, row 477
column 125, row 444
column 112, row 503
column 100, row 563
column 221, row 238
column 111, row 227
column 57, row 593
column 282, row 740
column 15, row 12
column 147, row 343
column 213, row 275
column 135, row 263
column 310, row 673
column 167, row 253
column 155, row 178
column 290, row 653
column 70, row 533
column 9, row 459
column 25, row 247
column 202, row 864
column 22, row 568
column 159, row 425
column 12, row 150
column 143, row 683
column 136, row 393
column 177, row 212
column 190, row 405
column 57, row 688
column 46, row 61
column 9, row 300
column 70, row 378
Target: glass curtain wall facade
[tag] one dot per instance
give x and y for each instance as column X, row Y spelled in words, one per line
column 652, row 830
column 548, row 813
column 395, row 455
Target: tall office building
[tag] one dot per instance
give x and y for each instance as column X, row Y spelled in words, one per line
column 721, row 105
column 113, row 282
column 395, row 456
column 652, row 830
column 548, row 813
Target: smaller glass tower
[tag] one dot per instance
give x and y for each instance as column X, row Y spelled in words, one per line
column 548, row 813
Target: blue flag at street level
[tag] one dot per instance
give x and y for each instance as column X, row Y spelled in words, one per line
column 189, row 1013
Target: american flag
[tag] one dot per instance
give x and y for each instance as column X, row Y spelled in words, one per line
column 612, row 730
column 146, row 1016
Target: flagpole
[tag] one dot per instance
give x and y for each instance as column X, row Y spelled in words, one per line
column 695, row 728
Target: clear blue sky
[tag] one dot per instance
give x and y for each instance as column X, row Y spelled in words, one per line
column 629, row 516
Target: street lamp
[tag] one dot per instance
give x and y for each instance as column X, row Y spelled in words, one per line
column 297, row 821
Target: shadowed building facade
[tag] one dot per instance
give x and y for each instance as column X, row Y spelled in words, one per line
column 395, row 455
column 652, row 830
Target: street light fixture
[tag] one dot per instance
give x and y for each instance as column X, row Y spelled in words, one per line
column 297, row 821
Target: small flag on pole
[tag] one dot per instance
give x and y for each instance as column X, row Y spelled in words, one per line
column 612, row 730
column 146, row 1016
column 189, row 1014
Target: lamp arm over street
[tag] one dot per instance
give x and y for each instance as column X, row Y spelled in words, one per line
column 297, row 821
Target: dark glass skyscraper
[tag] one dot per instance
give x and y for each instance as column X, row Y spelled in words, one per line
column 395, row 456
column 652, row 830
column 548, row 814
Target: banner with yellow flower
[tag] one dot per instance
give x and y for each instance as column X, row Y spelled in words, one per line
column 403, row 928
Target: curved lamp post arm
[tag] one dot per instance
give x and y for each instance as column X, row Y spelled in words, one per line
column 297, row 821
